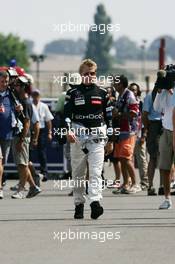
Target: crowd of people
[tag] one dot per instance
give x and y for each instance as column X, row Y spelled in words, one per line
column 25, row 123
column 145, row 137
column 142, row 135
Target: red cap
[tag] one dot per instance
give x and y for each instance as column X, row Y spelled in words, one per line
column 20, row 71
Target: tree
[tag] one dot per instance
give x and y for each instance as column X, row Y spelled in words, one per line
column 99, row 45
column 126, row 49
column 66, row 46
column 12, row 47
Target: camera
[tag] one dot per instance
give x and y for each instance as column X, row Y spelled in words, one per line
column 166, row 78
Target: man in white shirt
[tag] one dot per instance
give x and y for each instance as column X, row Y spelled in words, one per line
column 45, row 120
column 164, row 103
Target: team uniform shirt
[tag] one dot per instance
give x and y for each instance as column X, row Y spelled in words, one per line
column 87, row 105
column 44, row 114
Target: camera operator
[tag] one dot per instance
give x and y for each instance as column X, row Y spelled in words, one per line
column 86, row 108
column 164, row 103
column 8, row 121
column 20, row 145
column 35, row 128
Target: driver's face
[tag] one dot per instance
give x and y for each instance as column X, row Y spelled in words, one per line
column 88, row 75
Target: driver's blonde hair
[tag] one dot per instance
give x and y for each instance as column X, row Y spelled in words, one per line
column 87, row 62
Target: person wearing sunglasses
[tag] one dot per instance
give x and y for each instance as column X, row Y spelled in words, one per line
column 87, row 117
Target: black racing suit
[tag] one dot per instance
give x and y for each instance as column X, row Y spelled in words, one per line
column 87, row 105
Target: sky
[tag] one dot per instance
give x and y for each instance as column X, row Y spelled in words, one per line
column 38, row 20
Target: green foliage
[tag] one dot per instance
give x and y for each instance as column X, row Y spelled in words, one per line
column 12, row 47
column 99, row 45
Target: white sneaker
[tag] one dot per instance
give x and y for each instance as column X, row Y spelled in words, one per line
column 167, row 204
column 131, row 190
column 135, row 188
column 18, row 195
column 1, row 194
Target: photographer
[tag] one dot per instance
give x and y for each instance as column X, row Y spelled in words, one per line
column 21, row 142
column 164, row 104
column 8, row 121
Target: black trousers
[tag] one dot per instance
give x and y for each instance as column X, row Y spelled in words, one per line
column 42, row 151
